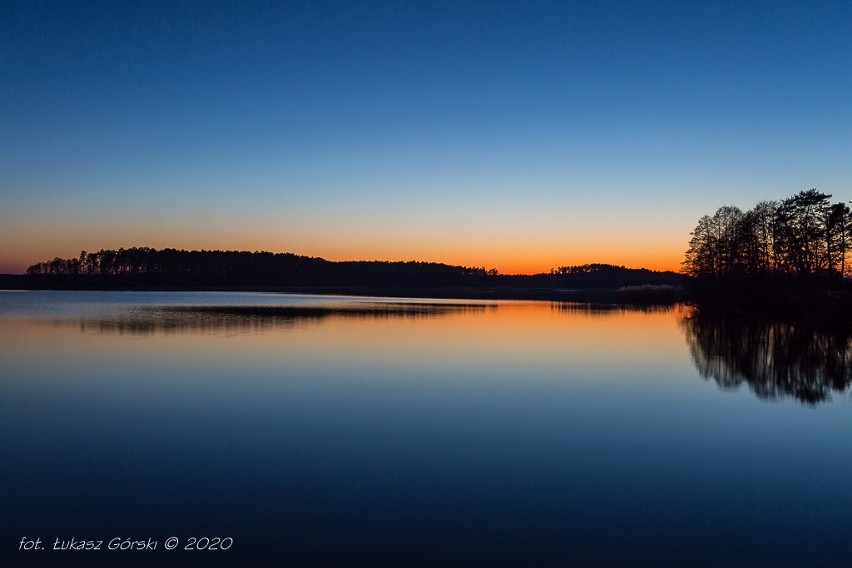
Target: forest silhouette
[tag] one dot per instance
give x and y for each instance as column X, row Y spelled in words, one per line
column 148, row 268
column 786, row 258
column 804, row 235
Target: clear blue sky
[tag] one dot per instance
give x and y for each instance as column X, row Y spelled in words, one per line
column 520, row 135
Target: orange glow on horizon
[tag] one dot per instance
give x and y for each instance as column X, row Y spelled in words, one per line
column 523, row 250
column 519, row 263
column 659, row 262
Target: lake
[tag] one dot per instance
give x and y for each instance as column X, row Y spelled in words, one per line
column 316, row 430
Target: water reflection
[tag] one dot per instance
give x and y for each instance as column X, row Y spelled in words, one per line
column 775, row 359
column 230, row 318
column 578, row 308
column 520, row 433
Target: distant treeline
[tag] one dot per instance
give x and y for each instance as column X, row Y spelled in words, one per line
column 141, row 267
column 785, row 258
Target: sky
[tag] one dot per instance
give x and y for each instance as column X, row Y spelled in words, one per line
column 520, row 136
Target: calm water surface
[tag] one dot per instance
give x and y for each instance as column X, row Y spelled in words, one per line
column 352, row 431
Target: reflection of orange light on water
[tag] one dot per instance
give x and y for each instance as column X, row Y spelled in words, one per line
column 519, row 335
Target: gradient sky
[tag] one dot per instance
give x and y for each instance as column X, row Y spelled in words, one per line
column 515, row 135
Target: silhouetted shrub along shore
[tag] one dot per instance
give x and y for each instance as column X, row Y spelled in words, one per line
column 171, row 269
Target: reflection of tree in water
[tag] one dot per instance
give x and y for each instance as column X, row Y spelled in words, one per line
column 235, row 319
column 604, row 309
column 775, row 359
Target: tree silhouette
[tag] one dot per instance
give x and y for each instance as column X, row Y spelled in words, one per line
column 804, row 234
column 148, row 268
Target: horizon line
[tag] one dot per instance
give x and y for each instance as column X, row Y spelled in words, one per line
column 325, row 259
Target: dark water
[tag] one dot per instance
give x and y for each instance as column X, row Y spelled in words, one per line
column 340, row 431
